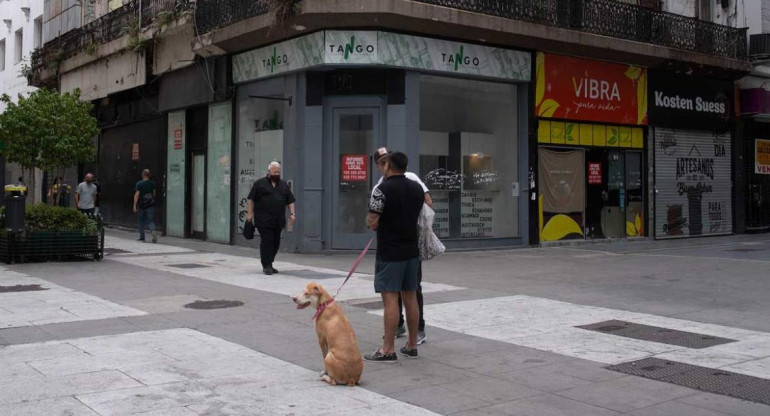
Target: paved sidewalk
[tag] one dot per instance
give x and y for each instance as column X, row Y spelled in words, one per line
column 114, row 337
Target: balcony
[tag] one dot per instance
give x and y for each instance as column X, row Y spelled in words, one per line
column 46, row 61
column 642, row 22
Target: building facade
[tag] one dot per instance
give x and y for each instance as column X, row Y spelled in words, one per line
column 21, row 33
column 527, row 123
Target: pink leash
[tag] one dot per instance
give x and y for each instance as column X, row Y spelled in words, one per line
column 322, row 307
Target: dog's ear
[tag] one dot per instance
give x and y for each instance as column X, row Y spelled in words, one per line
column 316, row 290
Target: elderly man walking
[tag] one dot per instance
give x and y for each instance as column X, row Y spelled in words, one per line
column 85, row 195
column 268, row 200
column 393, row 212
column 144, row 205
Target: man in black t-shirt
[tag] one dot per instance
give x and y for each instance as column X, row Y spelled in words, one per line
column 393, row 211
column 268, row 200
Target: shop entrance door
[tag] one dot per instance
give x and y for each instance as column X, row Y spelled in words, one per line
column 355, row 135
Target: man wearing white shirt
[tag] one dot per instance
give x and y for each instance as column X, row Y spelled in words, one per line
column 401, row 330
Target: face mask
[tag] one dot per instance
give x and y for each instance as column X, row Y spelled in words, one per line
column 275, row 178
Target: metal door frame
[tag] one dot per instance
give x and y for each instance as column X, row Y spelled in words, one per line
column 352, row 104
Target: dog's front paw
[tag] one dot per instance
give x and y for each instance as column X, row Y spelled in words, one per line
column 324, row 374
column 327, row 378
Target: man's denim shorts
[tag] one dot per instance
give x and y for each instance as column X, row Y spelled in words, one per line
column 396, row 276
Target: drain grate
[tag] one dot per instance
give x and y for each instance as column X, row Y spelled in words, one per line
column 188, row 266
column 309, row 274
column 213, row 304
column 710, row 380
column 112, row 250
column 656, row 334
column 21, row 288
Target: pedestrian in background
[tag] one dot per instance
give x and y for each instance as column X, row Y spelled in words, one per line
column 268, row 200
column 379, row 161
column 144, row 205
column 394, row 209
column 85, row 195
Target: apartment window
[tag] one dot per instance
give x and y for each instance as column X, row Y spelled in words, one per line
column 704, row 9
column 17, row 50
column 2, row 55
column 38, row 32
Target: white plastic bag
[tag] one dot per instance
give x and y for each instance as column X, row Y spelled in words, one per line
column 430, row 245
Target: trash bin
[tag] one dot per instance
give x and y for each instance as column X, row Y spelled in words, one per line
column 15, row 200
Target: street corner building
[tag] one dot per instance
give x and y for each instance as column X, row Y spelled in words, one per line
column 529, row 123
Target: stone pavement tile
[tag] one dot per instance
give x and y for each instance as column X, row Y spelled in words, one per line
column 16, row 369
column 757, row 368
column 496, row 362
column 757, row 345
column 586, row 370
column 543, row 405
column 491, row 390
column 80, row 329
column 175, row 411
column 147, row 398
column 16, row 391
column 151, row 322
column 674, row 408
column 727, row 405
column 627, row 394
column 44, row 351
column 543, row 378
column 409, row 374
column 24, row 335
column 439, row 400
column 68, row 406
column 162, row 304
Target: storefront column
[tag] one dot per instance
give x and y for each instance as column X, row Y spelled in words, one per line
column 218, row 175
column 175, row 183
column 310, row 116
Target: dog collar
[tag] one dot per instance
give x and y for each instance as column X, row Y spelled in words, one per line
column 321, row 308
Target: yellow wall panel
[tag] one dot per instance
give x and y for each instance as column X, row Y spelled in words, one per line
column 586, row 135
column 572, row 134
column 544, row 132
column 557, row 132
column 637, row 138
column 625, row 137
column 600, row 135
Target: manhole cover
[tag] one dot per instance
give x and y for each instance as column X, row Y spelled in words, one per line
column 213, row 304
column 111, row 250
column 21, row 288
column 188, row 266
column 656, row 334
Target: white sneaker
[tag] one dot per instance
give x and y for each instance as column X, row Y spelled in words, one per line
column 421, row 338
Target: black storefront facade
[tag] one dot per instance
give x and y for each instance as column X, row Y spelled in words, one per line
column 692, row 127
column 754, row 147
column 323, row 102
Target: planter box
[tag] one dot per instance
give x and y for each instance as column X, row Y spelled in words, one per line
column 50, row 245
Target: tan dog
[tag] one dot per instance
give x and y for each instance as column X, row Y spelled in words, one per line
column 342, row 359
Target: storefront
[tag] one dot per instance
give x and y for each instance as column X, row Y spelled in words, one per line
column 590, row 135
column 755, row 109
column 198, row 140
column 692, row 122
column 323, row 103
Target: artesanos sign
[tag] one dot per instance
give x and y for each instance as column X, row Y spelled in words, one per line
column 582, row 89
column 338, row 47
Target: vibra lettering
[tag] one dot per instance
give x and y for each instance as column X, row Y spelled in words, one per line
column 596, row 89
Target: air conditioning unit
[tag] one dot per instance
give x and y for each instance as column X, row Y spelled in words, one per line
column 759, row 47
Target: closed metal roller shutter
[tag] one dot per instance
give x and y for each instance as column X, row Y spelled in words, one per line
column 693, row 183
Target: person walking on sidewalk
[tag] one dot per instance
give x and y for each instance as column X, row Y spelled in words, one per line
column 393, row 212
column 401, row 330
column 268, row 200
column 85, row 195
column 144, row 205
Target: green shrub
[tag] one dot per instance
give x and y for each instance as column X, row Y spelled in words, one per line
column 42, row 217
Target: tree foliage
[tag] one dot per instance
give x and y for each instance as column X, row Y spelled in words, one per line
column 48, row 130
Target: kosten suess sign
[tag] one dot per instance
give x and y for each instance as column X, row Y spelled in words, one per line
column 583, row 89
column 687, row 101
